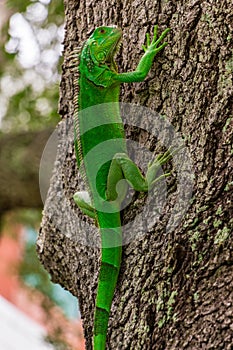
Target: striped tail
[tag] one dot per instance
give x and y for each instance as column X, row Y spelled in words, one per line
column 109, row 270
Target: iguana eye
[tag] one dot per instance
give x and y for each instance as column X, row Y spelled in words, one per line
column 102, row 31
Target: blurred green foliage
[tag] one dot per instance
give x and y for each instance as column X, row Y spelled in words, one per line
column 19, row 6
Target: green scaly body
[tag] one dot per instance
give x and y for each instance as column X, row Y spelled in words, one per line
column 100, row 145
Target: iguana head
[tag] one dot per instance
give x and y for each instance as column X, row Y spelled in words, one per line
column 103, row 45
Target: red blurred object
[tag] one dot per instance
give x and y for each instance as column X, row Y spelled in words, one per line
column 28, row 299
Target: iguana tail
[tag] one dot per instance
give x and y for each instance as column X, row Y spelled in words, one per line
column 111, row 239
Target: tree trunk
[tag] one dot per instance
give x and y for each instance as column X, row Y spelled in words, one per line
column 175, row 286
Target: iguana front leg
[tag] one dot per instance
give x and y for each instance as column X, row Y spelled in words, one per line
column 145, row 63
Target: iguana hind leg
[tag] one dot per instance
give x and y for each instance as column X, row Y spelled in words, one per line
column 83, row 201
column 122, row 167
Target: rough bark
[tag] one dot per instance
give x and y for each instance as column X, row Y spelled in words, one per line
column 175, row 288
column 20, row 156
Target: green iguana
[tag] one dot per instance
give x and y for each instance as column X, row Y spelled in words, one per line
column 99, row 84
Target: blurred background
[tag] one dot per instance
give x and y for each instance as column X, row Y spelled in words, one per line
column 34, row 313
